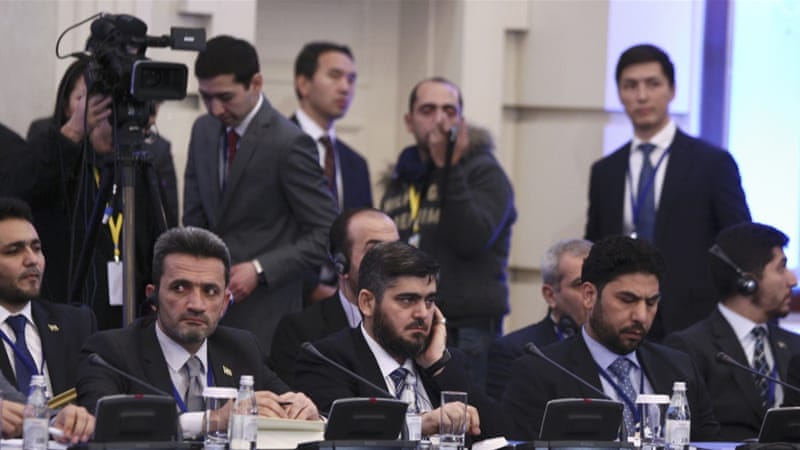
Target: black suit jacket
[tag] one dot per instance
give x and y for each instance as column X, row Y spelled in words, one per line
column 701, row 195
column 534, row 382
column 506, row 349
column 737, row 403
column 135, row 351
column 324, row 383
column 63, row 330
column 790, row 397
column 311, row 324
column 356, row 186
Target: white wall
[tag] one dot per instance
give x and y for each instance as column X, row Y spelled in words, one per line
column 534, row 72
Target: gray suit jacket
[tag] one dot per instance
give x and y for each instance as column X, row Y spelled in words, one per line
column 275, row 207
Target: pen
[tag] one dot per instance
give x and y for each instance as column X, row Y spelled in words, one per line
column 56, row 432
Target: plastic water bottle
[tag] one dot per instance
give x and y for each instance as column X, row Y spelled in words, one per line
column 244, row 417
column 679, row 425
column 35, row 433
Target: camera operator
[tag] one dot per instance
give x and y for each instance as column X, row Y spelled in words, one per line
column 64, row 188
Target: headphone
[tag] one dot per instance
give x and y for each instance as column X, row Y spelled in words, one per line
column 340, row 263
column 745, row 284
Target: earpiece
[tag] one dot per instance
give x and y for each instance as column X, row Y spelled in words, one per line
column 745, row 284
column 340, row 263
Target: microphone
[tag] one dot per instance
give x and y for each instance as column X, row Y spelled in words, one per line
column 724, row 358
column 531, row 348
column 98, row 360
column 309, row 347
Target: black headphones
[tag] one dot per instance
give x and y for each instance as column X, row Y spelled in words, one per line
column 745, row 284
column 341, row 264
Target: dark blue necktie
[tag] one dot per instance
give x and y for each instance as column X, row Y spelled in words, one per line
column 22, row 368
column 645, row 219
column 621, row 368
column 761, row 365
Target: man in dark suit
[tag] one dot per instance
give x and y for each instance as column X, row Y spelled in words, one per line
column 253, row 178
column 621, row 279
column 676, row 191
column 561, row 289
column 39, row 337
column 353, row 233
column 324, row 81
column 400, row 346
column 192, row 269
column 748, row 268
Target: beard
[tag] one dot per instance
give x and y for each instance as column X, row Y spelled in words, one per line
column 610, row 337
column 15, row 296
column 396, row 345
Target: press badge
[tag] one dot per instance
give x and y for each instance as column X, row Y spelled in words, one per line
column 114, row 283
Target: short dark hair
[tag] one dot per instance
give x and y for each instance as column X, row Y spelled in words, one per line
column 307, row 60
column 645, row 53
column 189, row 241
column 384, row 263
column 413, row 97
column 65, row 87
column 14, row 208
column 339, row 238
column 748, row 245
column 615, row 256
column 226, row 55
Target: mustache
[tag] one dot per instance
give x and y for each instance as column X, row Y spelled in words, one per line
column 636, row 327
column 196, row 316
column 417, row 324
column 32, row 271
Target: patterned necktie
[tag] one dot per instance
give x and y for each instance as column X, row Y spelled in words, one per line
column 194, row 392
column 22, row 370
column 761, row 365
column 330, row 166
column 403, row 381
column 621, row 368
column 645, row 219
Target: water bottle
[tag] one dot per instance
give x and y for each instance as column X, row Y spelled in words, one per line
column 679, row 423
column 35, row 422
column 244, row 417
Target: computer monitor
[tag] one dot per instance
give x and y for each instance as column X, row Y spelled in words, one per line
column 366, row 418
column 780, row 425
column 585, row 419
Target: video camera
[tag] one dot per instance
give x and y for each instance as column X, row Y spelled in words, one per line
column 118, row 66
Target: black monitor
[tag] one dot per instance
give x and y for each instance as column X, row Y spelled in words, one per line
column 780, row 425
column 581, row 419
column 366, row 418
column 136, row 418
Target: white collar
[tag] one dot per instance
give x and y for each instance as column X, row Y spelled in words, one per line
column 386, row 363
column 742, row 326
column 602, row 355
column 662, row 140
column 25, row 311
column 175, row 355
column 311, row 128
column 242, row 127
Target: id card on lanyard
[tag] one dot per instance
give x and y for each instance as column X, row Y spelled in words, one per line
column 113, row 268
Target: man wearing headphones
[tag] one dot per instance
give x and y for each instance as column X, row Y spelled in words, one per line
column 353, row 233
column 748, row 267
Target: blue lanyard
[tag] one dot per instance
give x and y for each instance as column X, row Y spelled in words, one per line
column 179, row 398
column 636, row 203
column 771, row 388
column 628, row 401
column 29, row 363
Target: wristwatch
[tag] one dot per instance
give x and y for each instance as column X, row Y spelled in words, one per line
column 259, row 270
column 439, row 364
